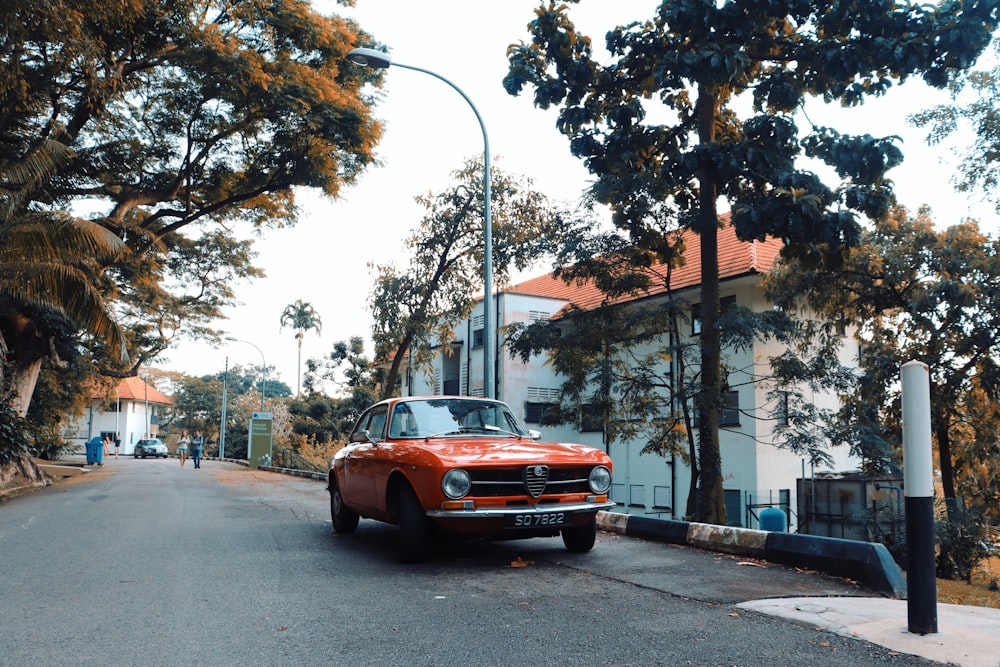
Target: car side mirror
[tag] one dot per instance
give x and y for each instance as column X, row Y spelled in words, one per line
column 363, row 436
column 534, row 435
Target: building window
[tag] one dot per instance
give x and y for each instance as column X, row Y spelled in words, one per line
column 533, row 411
column 730, row 415
column 636, row 495
column 590, row 420
column 725, row 303
column 478, row 326
column 539, row 316
column 539, row 399
column 618, row 493
column 781, row 411
column 661, row 498
column 734, row 507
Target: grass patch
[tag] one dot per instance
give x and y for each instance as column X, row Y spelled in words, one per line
column 976, row 594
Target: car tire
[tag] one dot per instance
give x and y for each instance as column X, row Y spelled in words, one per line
column 413, row 529
column 580, row 539
column 345, row 520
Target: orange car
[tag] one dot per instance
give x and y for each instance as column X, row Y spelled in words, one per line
column 464, row 465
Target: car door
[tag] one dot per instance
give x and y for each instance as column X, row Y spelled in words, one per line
column 360, row 469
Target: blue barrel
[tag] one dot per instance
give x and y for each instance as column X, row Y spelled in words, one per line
column 773, row 519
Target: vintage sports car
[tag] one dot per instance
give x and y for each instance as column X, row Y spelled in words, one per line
column 467, row 466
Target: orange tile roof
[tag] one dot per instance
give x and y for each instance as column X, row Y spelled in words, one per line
column 137, row 389
column 736, row 258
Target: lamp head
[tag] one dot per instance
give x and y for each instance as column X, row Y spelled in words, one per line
column 370, row 58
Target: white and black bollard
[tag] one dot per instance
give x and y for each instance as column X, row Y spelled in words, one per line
column 918, row 488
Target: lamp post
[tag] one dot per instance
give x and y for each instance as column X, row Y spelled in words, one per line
column 222, row 420
column 263, row 367
column 378, row 59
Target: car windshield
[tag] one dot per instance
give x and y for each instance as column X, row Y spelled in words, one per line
column 452, row 416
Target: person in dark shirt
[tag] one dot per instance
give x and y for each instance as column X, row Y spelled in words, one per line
column 197, row 446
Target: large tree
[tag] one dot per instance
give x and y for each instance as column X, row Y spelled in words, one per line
column 185, row 120
column 420, row 305
column 914, row 293
column 662, row 121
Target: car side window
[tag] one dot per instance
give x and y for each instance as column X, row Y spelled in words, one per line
column 373, row 422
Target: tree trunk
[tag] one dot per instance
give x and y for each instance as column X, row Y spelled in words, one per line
column 20, row 474
column 947, row 467
column 298, row 369
column 24, row 381
column 711, row 499
column 26, row 346
column 397, row 360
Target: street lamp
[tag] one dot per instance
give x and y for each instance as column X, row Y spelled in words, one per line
column 263, row 367
column 381, row 60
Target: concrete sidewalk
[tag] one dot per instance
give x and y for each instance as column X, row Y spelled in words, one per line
column 967, row 636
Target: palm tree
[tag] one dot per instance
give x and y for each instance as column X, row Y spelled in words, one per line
column 49, row 263
column 302, row 317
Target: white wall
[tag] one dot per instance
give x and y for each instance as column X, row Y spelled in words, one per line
column 130, row 423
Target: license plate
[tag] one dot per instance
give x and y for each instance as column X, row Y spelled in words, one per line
column 537, row 520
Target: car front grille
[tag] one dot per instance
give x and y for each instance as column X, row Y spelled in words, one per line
column 532, row 481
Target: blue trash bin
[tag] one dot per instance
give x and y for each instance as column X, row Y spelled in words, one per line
column 773, row 519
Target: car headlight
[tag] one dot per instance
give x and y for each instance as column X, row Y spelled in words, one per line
column 456, row 483
column 600, row 479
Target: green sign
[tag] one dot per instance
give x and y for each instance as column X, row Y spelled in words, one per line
column 259, row 447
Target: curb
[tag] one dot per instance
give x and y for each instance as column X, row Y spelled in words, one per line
column 309, row 474
column 867, row 562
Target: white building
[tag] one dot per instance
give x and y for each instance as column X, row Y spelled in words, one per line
column 755, row 472
column 134, row 414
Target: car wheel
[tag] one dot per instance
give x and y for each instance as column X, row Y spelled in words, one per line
column 413, row 533
column 135, row 455
column 580, row 539
column 345, row 520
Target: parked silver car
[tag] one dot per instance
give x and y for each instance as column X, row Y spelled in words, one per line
column 150, row 447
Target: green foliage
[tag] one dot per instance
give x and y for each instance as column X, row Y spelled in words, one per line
column 964, row 541
column 419, row 306
column 14, row 431
column 913, row 293
column 358, row 380
column 975, row 107
column 174, row 124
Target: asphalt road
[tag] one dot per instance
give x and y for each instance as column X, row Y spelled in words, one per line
column 143, row 563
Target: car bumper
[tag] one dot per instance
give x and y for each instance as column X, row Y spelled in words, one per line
column 501, row 512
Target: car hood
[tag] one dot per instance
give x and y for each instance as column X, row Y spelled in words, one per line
column 460, row 452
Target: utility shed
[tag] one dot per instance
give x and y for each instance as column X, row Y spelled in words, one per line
column 849, row 506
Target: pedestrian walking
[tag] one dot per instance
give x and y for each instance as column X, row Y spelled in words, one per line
column 118, row 443
column 197, row 446
column 182, row 447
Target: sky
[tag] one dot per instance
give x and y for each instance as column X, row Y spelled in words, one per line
column 327, row 259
